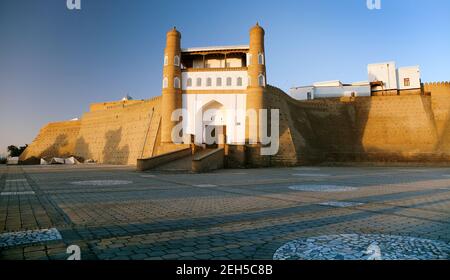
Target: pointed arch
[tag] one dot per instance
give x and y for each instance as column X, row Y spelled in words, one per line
column 176, row 82
column 261, row 80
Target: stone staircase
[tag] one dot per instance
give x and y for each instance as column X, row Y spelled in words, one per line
column 183, row 164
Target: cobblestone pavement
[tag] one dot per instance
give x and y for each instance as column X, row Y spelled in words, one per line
column 114, row 212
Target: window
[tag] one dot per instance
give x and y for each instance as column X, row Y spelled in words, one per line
column 166, row 60
column 261, row 81
column 308, row 95
column 249, row 80
column 165, row 83
column 228, row 81
column 208, row 82
column 176, row 82
column 260, row 58
column 176, row 60
column 249, row 59
column 239, row 82
column 199, row 82
column 189, row 82
column 219, row 82
column 406, row 82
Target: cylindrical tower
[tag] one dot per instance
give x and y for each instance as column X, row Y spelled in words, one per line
column 171, row 92
column 256, row 72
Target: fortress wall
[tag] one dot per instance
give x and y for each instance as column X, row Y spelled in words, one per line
column 112, row 104
column 326, row 126
column 437, row 88
column 287, row 153
column 397, row 124
column 120, row 135
column 383, row 128
column 54, row 140
column 441, row 110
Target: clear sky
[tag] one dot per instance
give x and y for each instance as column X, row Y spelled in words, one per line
column 54, row 62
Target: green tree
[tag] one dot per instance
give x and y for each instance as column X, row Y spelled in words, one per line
column 15, row 151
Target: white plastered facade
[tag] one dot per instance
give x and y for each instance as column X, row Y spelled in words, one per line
column 229, row 110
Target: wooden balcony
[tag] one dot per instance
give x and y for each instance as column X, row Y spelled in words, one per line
column 214, row 69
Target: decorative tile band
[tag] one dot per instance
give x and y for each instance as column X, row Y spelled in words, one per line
column 322, row 188
column 102, row 183
column 17, row 193
column 16, row 180
column 340, row 203
column 28, row 237
column 363, row 247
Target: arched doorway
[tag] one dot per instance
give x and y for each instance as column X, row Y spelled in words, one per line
column 214, row 124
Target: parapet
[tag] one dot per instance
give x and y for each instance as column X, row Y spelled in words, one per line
column 113, row 104
column 437, row 88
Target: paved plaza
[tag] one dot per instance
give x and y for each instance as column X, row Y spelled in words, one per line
column 114, row 212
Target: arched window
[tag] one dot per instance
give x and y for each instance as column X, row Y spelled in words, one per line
column 176, row 60
column 199, row 82
column 260, row 58
column 239, row 82
column 228, row 81
column 208, row 82
column 176, row 82
column 219, row 82
column 261, row 80
column 166, row 60
column 165, row 83
column 189, row 82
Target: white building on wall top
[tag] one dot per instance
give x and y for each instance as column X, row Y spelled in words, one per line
column 381, row 77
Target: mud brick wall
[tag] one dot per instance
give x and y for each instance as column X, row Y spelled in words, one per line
column 54, row 139
column 380, row 128
column 119, row 135
column 111, row 134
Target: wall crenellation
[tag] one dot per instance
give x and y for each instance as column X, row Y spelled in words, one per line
column 435, row 88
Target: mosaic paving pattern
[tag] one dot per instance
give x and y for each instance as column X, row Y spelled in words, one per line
column 340, row 204
column 310, row 175
column 16, row 180
column 17, row 193
column 322, row 188
column 102, row 183
column 28, row 237
column 363, row 247
column 307, row 168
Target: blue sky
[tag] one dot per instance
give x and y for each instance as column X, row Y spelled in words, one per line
column 54, row 62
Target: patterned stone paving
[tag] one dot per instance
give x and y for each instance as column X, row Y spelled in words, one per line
column 16, row 180
column 310, row 175
column 322, row 188
column 340, row 203
column 363, row 247
column 17, row 193
column 114, row 212
column 102, row 183
column 29, row 237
